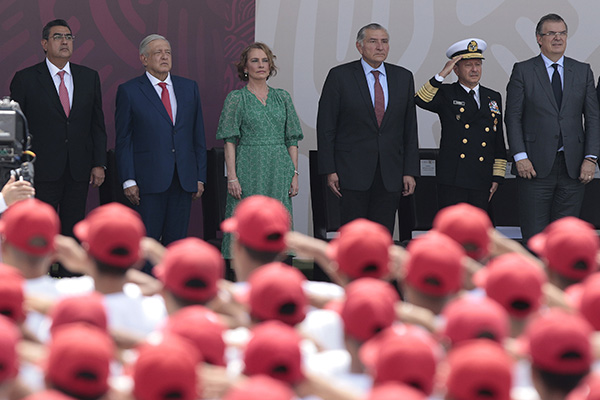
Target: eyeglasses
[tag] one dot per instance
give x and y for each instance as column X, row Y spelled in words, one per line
column 555, row 34
column 59, row 37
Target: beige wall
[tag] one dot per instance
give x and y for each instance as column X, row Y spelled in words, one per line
column 311, row 36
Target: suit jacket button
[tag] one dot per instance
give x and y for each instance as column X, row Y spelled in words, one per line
column 465, row 141
column 462, row 155
column 480, row 158
column 66, row 140
column 467, row 126
column 173, row 150
column 483, row 144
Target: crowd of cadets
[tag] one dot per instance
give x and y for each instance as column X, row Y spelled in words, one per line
column 462, row 313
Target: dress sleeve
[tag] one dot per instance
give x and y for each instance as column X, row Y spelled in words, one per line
column 293, row 130
column 231, row 118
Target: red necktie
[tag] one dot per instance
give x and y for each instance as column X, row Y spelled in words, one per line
column 164, row 96
column 63, row 95
column 379, row 100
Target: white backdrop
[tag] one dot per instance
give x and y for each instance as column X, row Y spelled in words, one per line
column 311, row 36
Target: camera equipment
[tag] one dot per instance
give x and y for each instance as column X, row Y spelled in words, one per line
column 15, row 141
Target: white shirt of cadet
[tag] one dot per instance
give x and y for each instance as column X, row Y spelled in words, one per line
column 68, row 78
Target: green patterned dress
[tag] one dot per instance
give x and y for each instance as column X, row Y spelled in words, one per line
column 262, row 135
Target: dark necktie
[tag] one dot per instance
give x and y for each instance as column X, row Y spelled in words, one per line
column 379, row 101
column 557, row 89
column 164, row 96
column 556, row 85
column 63, row 93
column 472, row 93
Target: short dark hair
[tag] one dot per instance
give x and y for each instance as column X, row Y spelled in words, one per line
column 548, row 17
column 107, row 269
column 563, row 383
column 241, row 64
column 56, row 22
column 263, row 257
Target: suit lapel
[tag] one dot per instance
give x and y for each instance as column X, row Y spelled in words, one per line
column 48, row 87
column 179, row 95
column 77, row 86
column 568, row 81
column 152, row 96
column 539, row 69
column 361, row 81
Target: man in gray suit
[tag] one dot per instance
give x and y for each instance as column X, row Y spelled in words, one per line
column 555, row 153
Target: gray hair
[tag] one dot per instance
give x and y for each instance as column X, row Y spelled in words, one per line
column 360, row 37
column 150, row 38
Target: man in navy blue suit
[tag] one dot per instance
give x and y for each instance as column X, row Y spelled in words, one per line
column 160, row 147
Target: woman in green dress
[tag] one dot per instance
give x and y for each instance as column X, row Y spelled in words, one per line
column 261, row 131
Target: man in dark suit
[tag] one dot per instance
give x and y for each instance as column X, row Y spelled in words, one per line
column 472, row 157
column 555, row 153
column 160, row 147
column 63, row 105
column 367, row 132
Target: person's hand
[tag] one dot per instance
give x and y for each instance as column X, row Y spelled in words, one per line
column 334, row 184
column 409, row 185
column 493, row 190
column 71, row 255
column 449, row 66
column 14, row 191
column 234, row 188
column 588, row 169
column 97, row 176
column 198, row 194
column 294, row 187
column 152, row 250
column 525, row 169
column 133, row 195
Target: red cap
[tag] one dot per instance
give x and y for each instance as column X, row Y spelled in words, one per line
column 588, row 389
column 479, row 370
column 369, row 308
column 585, row 297
column 79, row 358
column 12, row 295
column 112, row 233
column 260, row 223
column 191, row 269
column 362, row 249
column 468, row 225
column 276, row 293
column 395, row 391
column 514, row 281
column 274, row 350
column 260, row 387
column 49, row 394
column 388, row 354
column 10, row 336
column 166, row 370
column 470, row 317
column 570, row 247
column 88, row 308
column 30, row 225
column 203, row 328
column 435, row 264
column 559, row 342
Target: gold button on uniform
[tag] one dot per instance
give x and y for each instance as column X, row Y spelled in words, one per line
column 462, row 109
column 483, row 144
column 480, row 158
column 465, row 140
column 487, row 129
column 462, row 156
column 467, row 126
